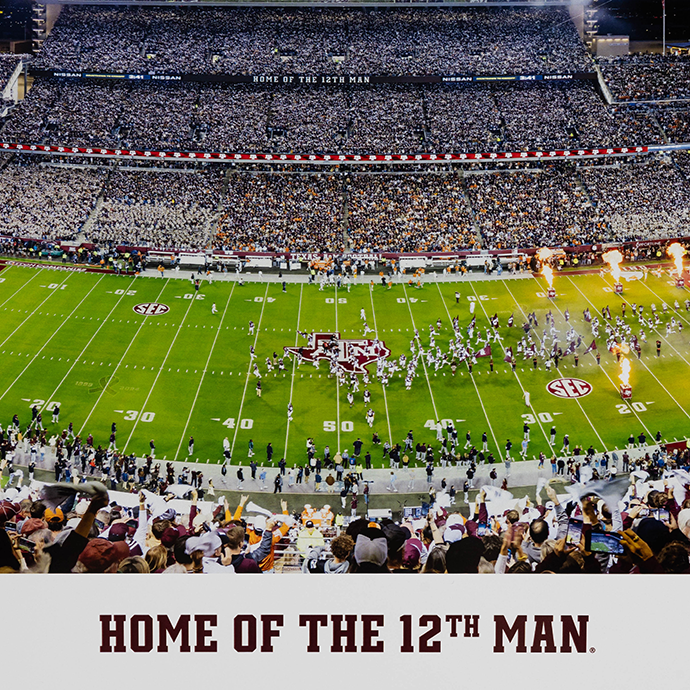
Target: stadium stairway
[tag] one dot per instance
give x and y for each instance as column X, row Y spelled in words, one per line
column 475, row 225
column 100, row 200
column 344, row 224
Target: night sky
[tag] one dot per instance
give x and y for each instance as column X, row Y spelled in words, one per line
column 641, row 19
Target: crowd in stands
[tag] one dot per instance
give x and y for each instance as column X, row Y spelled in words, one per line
column 640, row 200
column 47, row 202
column 555, row 204
column 408, row 213
column 585, row 522
column 676, row 124
column 360, row 120
column 541, row 207
column 270, row 41
column 158, row 209
column 642, row 77
column 282, row 213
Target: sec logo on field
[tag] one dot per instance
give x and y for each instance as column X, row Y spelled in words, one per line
column 151, row 309
column 569, row 388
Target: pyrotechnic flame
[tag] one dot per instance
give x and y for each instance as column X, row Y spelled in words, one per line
column 544, row 254
column 613, row 258
column 677, row 252
column 620, row 348
column 624, row 376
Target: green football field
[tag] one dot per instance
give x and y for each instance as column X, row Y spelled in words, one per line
column 75, row 338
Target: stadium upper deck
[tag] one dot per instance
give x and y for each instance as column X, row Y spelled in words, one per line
column 331, row 41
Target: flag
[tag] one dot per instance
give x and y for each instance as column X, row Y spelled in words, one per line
column 509, row 355
column 484, row 352
column 511, row 321
column 570, row 349
column 587, row 315
column 592, row 347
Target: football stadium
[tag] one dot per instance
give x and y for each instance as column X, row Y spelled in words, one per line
column 343, row 287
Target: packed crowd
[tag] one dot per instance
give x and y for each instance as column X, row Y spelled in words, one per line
column 575, row 118
column 47, row 202
column 158, row 209
column 360, row 120
column 554, row 204
column 598, row 523
column 282, row 213
column 676, row 124
column 643, row 77
column 271, row 41
column 407, row 213
column 644, row 200
column 543, row 207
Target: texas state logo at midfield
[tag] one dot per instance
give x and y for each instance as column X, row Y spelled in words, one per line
column 569, row 388
column 362, row 350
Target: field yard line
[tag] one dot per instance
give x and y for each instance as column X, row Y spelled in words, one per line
column 337, row 377
column 383, row 388
column 474, row 383
column 677, row 313
column 141, row 325
column 76, row 361
column 160, row 369
column 16, row 292
column 294, row 364
column 57, row 330
column 579, row 404
column 630, row 407
column 203, row 373
column 517, row 378
column 658, row 332
column 431, row 393
column 249, row 371
column 50, row 294
column 666, row 389
column 650, row 371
